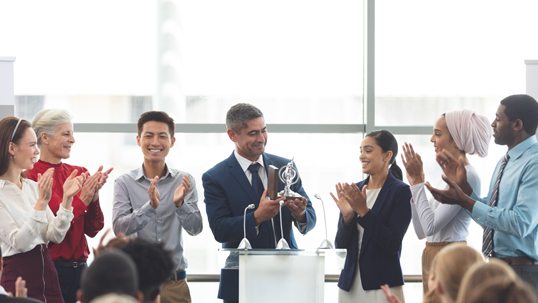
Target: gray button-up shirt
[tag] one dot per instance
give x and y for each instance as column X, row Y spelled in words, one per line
column 133, row 215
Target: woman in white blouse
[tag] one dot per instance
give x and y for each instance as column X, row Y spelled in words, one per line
column 459, row 132
column 26, row 222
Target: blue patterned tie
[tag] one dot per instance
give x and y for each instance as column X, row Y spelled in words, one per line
column 487, row 239
column 257, row 184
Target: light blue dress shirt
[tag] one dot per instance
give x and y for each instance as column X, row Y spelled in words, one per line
column 515, row 218
column 132, row 213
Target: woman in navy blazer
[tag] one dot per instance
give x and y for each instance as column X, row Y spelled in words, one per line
column 374, row 216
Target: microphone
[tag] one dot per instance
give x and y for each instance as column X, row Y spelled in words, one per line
column 325, row 244
column 282, row 244
column 245, row 244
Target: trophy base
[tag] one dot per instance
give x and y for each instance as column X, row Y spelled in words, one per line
column 289, row 195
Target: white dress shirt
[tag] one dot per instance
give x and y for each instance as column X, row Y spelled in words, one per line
column 21, row 226
column 441, row 222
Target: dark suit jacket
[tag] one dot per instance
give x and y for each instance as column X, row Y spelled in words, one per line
column 8, row 299
column 227, row 192
column 384, row 228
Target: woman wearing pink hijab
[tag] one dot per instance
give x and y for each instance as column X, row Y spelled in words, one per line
column 459, row 132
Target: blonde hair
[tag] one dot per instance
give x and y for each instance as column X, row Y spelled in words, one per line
column 480, row 272
column 503, row 290
column 453, row 262
column 48, row 120
column 431, row 296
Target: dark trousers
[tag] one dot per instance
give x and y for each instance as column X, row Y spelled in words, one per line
column 69, row 279
column 528, row 273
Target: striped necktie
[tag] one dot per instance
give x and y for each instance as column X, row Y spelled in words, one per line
column 487, row 239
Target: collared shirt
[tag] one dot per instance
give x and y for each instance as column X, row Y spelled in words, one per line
column 132, row 213
column 515, row 218
column 245, row 163
column 21, row 226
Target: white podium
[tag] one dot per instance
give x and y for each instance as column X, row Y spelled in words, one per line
column 270, row 275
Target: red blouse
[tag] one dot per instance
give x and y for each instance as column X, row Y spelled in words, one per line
column 87, row 220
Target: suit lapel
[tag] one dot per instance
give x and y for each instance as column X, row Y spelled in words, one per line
column 378, row 207
column 385, row 190
column 237, row 172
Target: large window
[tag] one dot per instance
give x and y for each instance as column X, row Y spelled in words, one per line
column 300, row 62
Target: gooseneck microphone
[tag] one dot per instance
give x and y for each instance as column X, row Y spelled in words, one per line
column 282, row 244
column 325, row 244
column 245, row 244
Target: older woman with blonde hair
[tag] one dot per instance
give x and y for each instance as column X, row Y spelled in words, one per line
column 459, row 132
column 54, row 130
column 27, row 224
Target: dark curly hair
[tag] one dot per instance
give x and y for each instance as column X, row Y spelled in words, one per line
column 154, row 264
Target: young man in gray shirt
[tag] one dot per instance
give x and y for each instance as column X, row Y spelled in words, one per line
column 156, row 202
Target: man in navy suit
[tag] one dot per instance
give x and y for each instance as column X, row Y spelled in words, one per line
column 240, row 180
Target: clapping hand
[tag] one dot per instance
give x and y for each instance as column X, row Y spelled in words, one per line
column 413, row 165
column 44, row 187
column 452, row 195
column 347, row 212
column 453, row 168
column 73, row 184
column 103, row 177
column 90, row 186
column 20, row 289
column 153, row 192
column 356, row 198
column 181, row 191
column 117, row 242
column 100, row 182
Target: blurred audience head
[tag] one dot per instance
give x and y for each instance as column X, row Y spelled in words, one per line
column 114, row 298
column 502, row 290
column 480, row 272
column 110, row 272
column 431, row 296
column 453, row 261
column 154, row 264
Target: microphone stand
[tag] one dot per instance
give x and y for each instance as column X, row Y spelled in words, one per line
column 245, row 244
column 325, row 244
column 282, row 244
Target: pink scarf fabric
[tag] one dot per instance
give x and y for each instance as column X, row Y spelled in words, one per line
column 471, row 131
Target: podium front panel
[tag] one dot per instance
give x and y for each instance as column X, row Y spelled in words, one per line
column 281, row 276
